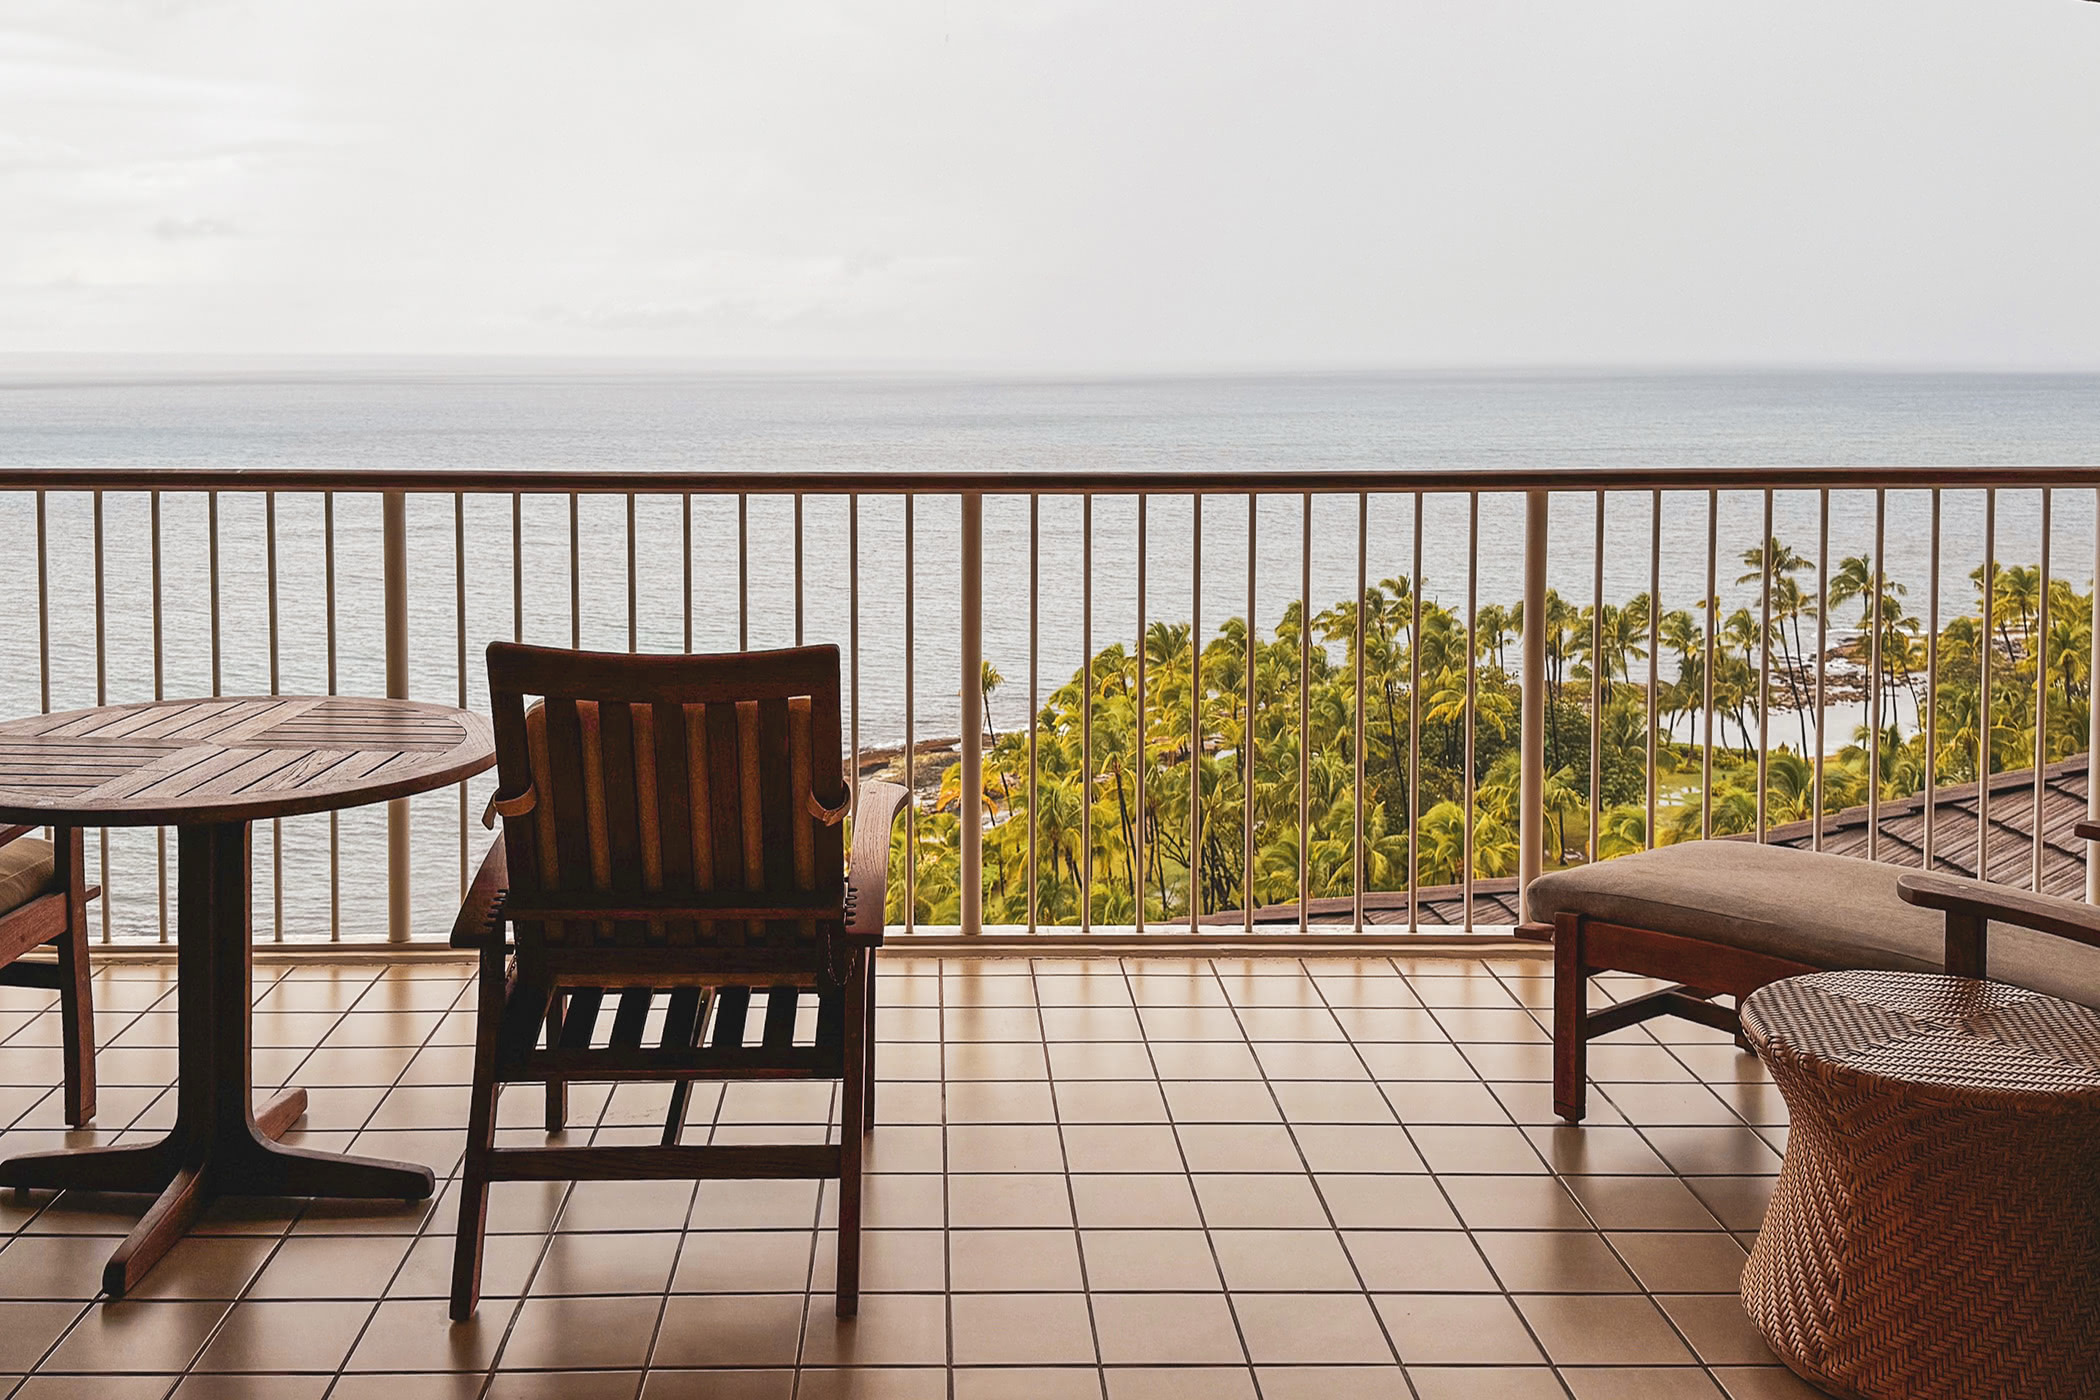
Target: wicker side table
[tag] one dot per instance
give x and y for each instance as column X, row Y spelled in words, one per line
column 1935, row 1231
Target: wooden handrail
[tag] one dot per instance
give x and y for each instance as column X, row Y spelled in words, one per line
column 1062, row 481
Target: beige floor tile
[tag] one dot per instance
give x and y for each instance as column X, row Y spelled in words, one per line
column 892, row 1261
column 1641, row 1203
column 1639, row 1383
column 1166, row 1329
column 1431, row 1329
column 1004, row 1147
column 1403, row 1261
column 286, row 1336
column 1021, row 1329
column 1603, row 1329
column 1179, row 1383
column 1284, row 1261
column 1718, row 1329
column 1765, row 1383
column 621, row 1263
column 1554, row 1261
column 324, row 1266
column 1356, row 1147
column 1288, row 1329
column 1239, row 1147
column 1369, row 1382
column 1027, row 1383
column 1252, row 1202
column 1013, row 1261
column 1485, row 1383
column 582, row 1334
column 735, row 1385
column 838, row 1384
column 1111, row 1202
column 1386, row 1203
column 156, row 1337
column 1013, row 1200
column 739, row 1332
column 1110, row 1101
column 1130, row 1260
column 891, row 1329
column 1703, row 1262
column 1112, row 1147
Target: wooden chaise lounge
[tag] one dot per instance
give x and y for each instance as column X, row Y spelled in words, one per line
column 1722, row 918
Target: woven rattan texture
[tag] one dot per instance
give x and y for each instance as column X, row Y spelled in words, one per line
column 1935, row 1231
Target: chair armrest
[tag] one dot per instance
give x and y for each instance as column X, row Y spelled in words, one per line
column 2087, row 831
column 1970, row 905
column 868, row 863
column 14, row 833
column 480, row 921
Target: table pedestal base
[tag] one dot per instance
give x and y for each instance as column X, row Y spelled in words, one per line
column 220, row 1145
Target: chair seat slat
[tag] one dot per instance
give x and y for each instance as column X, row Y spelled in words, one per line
column 579, row 1021
column 631, row 1018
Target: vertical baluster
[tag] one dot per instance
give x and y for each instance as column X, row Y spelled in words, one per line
column 517, row 567
column 1822, row 654
column 685, row 586
column 798, row 568
column 1144, row 761
column 575, row 575
column 633, row 587
column 1764, row 671
column 911, row 747
column 43, row 606
column 160, row 833
column 743, row 573
column 1983, row 704
column 852, row 614
column 1414, row 728
column 1875, row 693
column 102, row 695
column 1597, row 679
column 276, row 824
column 211, row 511
column 335, row 847
column 1472, row 690
column 1247, row 723
column 1362, row 866
column 1932, row 691
column 1712, row 606
column 1305, row 712
column 2041, row 690
column 1034, row 694
column 1086, row 714
column 1655, row 610
column 969, row 806
column 459, row 618
column 1195, row 861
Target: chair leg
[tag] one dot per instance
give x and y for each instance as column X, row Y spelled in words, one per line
column 853, row 1127
column 481, row 1138
column 674, row 1121
column 867, row 1040
column 76, row 1000
column 1571, row 984
column 558, row 1089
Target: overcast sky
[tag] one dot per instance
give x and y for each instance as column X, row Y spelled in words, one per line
column 1037, row 183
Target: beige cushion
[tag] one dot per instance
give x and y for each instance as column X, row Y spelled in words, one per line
column 26, row 871
column 1828, row 911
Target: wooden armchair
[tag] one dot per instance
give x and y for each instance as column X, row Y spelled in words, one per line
column 672, row 852
column 44, row 895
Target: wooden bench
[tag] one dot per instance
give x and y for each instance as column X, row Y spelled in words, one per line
column 1719, row 919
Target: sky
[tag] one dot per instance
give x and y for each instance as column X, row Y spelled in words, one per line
column 1123, row 185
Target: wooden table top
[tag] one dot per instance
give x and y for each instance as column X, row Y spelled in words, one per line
column 237, row 758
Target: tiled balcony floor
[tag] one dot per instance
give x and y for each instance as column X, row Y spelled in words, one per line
column 1313, row 1179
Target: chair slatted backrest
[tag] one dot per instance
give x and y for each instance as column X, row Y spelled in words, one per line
column 633, row 783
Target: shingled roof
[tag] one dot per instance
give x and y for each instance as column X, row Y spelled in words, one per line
column 2010, row 850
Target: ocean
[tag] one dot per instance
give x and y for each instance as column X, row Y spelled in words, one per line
column 628, row 422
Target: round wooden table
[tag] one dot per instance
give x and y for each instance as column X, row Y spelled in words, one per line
column 1935, row 1230
column 209, row 768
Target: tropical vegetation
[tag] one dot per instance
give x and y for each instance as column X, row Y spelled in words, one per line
column 1110, row 788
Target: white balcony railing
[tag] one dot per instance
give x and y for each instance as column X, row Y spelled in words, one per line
column 1269, row 700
